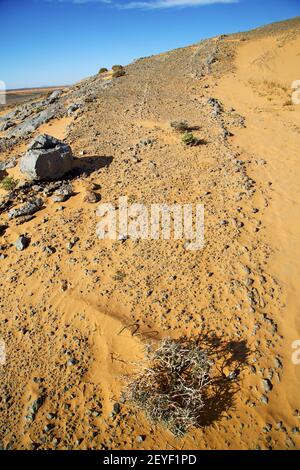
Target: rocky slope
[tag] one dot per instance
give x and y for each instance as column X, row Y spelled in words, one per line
column 77, row 311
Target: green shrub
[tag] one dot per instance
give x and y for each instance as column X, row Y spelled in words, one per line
column 189, row 139
column 118, row 73
column 103, row 69
column 8, row 183
column 117, row 67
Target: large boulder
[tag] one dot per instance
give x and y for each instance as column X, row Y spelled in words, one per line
column 47, row 158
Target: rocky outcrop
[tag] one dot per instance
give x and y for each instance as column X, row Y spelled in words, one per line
column 30, row 124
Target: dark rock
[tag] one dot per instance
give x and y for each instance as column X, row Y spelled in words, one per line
column 116, row 408
column 22, row 242
column 3, row 229
column 46, row 159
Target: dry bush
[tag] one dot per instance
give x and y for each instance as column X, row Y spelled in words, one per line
column 179, row 126
column 170, row 386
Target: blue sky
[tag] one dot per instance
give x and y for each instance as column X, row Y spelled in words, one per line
column 56, row 42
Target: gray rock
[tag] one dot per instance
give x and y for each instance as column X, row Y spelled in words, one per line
column 47, row 159
column 65, row 190
column 6, row 125
column 22, row 243
column 11, row 163
column 295, row 430
column 30, row 124
column 278, row 363
column 33, row 409
column 44, row 141
column 54, row 96
column 73, row 107
column 28, row 208
column 72, row 362
column 267, row 385
column 63, row 193
column 59, row 198
column 264, row 400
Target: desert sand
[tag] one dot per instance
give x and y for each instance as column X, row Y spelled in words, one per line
column 77, row 311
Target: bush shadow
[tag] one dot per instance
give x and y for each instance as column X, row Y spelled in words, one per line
column 229, row 358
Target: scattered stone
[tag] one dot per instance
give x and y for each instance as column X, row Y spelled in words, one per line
column 24, row 218
column 72, row 362
column 49, row 249
column 278, row 363
column 116, row 408
column 22, row 243
column 59, row 198
column 49, row 427
column 11, row 163
column 264, row 399
column 141, row 438
column 289, row 442
column 267, row 427
column 91, row 197
column 267, row 385
column 295, row 430
column 65, row 189
column 34, row 407
column 28, row 208
column 73, row 107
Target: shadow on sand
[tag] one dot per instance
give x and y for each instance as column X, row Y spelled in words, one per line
column 85, row 166
column 229, row 359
